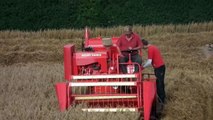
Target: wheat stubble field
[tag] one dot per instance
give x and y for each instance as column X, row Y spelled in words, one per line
column 32, row 62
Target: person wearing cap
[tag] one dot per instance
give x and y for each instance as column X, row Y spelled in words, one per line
column 129, row 43
column 156, row 60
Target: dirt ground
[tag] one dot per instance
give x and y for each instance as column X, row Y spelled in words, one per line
column 208, row 50
column 30, row 67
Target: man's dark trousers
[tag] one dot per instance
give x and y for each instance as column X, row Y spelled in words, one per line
column 160, row 74
column 135, row 58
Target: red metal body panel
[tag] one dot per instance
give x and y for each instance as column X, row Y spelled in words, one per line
column 97, row 43
column 149, row 94
column 61, row 88
column 88, row 58
column 68, row 60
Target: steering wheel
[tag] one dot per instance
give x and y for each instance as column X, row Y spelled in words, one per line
column 130, row 51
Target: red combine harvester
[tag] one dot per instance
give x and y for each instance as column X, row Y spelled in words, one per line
column 93, row 78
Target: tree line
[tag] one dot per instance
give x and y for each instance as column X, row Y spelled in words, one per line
column 59, row 14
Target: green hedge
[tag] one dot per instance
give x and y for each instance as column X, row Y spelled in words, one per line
column 56, row 14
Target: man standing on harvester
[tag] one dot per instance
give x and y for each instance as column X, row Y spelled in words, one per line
column 129, row 43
